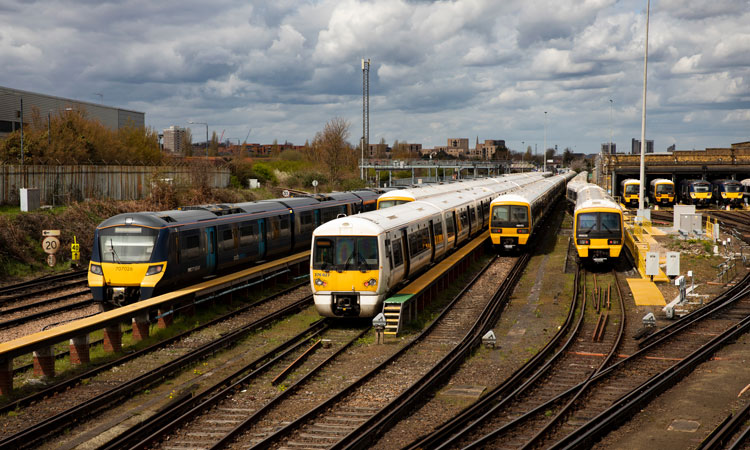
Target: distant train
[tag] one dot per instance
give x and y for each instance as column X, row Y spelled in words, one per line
column 598, row 230
column 662, row 192
column 138, row 255
column 630, row 192
column 727, row 192
column 515, row 217
column 420, row 192
column 358, row 260
column 695, row 192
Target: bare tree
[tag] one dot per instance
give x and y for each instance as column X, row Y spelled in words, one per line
column 187, row 143
column 332, row 148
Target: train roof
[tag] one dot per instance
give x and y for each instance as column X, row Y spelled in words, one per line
column 631, row 180
column 592, row 196
column 375, row 222
column 158, row 219
column 661, row 180
column 531, row 192
column 423, row 191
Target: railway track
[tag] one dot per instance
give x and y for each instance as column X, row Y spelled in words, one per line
column 39, row 283
column 354, row 416
column 89, row 395
column 523, row 408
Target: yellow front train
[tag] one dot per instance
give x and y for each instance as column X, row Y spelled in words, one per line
column 631, row 192
column 597, row 223
column 514, row 217
column 662, row 191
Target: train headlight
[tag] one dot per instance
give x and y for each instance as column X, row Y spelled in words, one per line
column 153, row 270
column 614, row 242
column 96, row 269
column 319, row 282
column 583, row 242
column 522, row 230
column 371, row 282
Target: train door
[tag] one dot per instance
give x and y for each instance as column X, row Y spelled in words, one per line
column 262, row 238
column 432, row 240
column 407, row 255
column 316, row 218
column 210, row 248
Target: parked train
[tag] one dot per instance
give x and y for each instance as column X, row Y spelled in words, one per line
column 630, row 191
column 662, row 192
column 695, row 192
column 514, row 217
column 727, row 192
column 401, row 196
column 358, row 260
column 598, row 228
column 138, row 255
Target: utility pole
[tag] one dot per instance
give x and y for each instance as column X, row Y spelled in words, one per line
column 544, row 152
column 365, row 113
column 643, row 114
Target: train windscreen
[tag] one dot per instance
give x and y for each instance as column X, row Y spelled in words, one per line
column 509, row 216
column 632, row 189
column 701, row 187
column 598, row 224
column 127, row 244
column 731, row 187
column 346, row 253
column 664, row 188
column 388, row 203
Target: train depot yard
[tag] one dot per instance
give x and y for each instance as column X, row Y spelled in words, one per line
column 520, row 311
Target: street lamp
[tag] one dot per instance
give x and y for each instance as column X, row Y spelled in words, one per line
column 202, row 123
column 643, row 115
column 611, row 130
column 544, row 152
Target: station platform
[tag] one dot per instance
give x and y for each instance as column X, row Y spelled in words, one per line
column 403, row 306
column 645, row 292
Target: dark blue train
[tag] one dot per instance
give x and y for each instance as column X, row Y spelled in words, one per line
column 139, row 255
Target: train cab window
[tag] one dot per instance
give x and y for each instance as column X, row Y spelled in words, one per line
column 609, row 222
column 127, row 244
column 398, row 256
column 701, row 188
column 519, row 214
column 586, row 222
column 664, row 189
column 345, row 253
column 731, row 187
column 632, row 189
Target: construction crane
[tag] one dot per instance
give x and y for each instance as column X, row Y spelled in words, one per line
column 248, row 135
column 222, row 134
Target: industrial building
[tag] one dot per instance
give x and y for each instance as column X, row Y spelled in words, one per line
column 13, row 101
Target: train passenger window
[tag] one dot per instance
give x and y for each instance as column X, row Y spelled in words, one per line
column 449, row 230
column 398, row 257
column 463, row 219
column 438, row 230
column 306, row 218
column 227, row 235
column 285, row 223
column 191, row 247
column 247, row 234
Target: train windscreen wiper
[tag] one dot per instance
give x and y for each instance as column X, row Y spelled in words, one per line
column 114, row 253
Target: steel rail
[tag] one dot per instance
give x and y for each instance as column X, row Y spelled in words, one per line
column 46, row 290
column 528, row 383
column 48, row 312
column 151, row 428
column 41, row 303
column 5, row 290
column 505, row 388
column 341, row 394
column 48, row 392
column 629, row 404
column 569, row 406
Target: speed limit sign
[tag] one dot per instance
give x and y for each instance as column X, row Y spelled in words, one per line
column 50, row 245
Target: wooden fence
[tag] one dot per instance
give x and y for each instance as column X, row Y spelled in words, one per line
column 61, row 184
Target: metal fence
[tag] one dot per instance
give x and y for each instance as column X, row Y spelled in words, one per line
column 61, row 184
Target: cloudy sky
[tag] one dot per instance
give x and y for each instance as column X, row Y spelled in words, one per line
column 440, row 69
